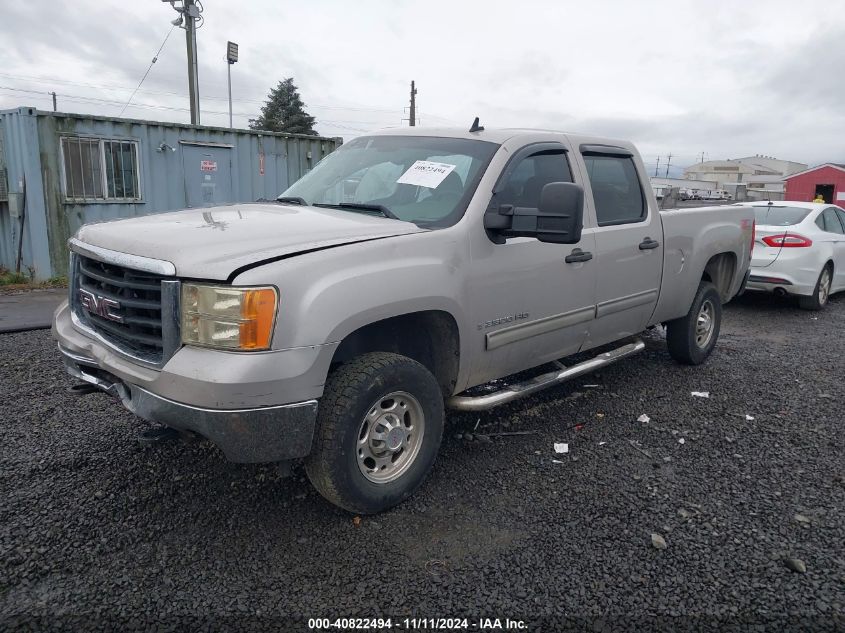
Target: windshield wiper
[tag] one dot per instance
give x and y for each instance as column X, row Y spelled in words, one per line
column 292, row 200
column 359, row 206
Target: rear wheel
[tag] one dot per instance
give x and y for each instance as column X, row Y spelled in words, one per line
column 692, row 338
column 821, row 293
column 379, row 427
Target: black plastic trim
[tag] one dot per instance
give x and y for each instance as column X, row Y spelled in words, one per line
column 606, row 150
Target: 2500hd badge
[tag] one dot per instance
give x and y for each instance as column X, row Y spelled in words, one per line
column 500, row 320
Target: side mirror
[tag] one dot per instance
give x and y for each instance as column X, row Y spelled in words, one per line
column 558, row 219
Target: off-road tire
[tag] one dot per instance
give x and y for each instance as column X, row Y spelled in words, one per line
column 818, row 300
column 350, row 393
column 682, row 334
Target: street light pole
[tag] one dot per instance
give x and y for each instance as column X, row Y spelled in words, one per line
column 229, row 73
column 231, row 58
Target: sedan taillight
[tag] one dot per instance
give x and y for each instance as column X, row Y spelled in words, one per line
column 787, row 240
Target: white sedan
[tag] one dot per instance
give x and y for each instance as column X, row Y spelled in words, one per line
column 799, row 249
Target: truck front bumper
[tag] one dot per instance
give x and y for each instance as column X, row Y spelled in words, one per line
column 263, row 434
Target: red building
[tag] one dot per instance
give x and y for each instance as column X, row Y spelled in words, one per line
column 827, row 180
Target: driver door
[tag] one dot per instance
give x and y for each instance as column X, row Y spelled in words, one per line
column 527, row 303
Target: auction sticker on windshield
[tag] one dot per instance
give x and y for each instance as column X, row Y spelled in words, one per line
column 425, row 173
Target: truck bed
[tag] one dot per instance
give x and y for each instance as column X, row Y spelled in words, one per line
column 692, row 238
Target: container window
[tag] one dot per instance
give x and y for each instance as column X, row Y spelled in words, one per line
column 100, row 169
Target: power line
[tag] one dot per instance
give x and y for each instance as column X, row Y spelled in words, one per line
column 95, row 100
column 149, row 68
column 51, row 80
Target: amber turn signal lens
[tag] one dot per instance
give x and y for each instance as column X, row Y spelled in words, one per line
column 258, row 311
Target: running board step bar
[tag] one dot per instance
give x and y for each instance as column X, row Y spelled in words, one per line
column 538, row 383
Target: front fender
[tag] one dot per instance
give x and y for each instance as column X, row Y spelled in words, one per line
column 324, row 296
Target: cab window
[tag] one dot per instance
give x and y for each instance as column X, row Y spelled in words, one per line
column 617, row 194
column 525, row 183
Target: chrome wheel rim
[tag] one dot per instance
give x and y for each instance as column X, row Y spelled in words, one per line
column 704, row 324
column 824, row 286
column 390, row 437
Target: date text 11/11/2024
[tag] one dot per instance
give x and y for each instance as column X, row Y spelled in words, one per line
column 417, row 624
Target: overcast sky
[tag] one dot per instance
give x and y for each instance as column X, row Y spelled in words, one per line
column 725, row 78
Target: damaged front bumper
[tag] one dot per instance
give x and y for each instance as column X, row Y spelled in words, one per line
column 262, row 434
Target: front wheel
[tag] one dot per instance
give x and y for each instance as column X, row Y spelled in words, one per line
column 821, row 293
column 692, row 338
column 379, row 426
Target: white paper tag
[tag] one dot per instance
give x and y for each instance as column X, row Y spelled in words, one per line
column 425, row 173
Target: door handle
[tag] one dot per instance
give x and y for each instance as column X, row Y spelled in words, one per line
column 647, row 244
column 577, row 255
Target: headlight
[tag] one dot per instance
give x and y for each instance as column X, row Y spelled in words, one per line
column 227, row 317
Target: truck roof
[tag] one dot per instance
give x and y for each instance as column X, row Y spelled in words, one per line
column 498, row 135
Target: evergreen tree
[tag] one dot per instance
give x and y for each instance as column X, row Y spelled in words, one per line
column 284, row 111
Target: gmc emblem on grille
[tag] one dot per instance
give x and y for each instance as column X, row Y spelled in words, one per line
column 101, row 306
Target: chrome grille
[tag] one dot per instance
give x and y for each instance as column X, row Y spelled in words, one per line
column 141, row 321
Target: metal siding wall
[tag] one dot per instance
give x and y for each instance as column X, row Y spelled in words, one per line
column 22, row 162
column 162, row 178
column 6, row 228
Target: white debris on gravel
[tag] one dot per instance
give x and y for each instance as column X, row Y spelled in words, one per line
column 643, row 418
column 681, row 441
column 701, row 394
column 561, row 448
column 749, row 417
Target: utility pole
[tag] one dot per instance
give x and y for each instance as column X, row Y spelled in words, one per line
column 55, row 109
column 668, row 162
column 189, row 13
column 413, row 115
column 231, row 58
column 702, row 157
column 657, row 166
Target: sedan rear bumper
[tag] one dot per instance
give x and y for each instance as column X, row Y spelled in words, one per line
column 769, row 279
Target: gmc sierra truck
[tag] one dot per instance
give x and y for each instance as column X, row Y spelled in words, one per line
column 336, row 323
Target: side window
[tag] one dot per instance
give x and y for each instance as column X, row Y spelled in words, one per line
column 831, row 222
column 524, row 184
column 617, row 193
column 841, row 215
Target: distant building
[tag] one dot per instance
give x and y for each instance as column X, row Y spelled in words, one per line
column 59, row 171
column 827, row 180
column 762, row 176
column 684, row 183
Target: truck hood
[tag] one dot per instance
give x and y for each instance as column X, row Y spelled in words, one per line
column 213, row 242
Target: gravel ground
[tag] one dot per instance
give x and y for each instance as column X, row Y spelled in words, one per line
column 97, row 532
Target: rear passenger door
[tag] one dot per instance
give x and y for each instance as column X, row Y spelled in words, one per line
column 629, row 243
column 834, row 224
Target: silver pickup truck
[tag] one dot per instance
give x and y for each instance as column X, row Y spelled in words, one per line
column 336, row 323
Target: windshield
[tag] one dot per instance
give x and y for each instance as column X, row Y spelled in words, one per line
column 779, row 216
column 425, row 180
